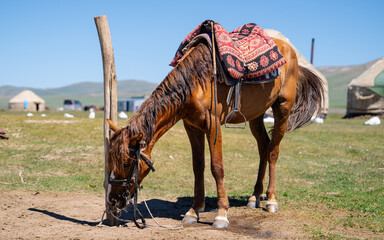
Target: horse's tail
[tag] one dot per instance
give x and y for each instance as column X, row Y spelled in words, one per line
column 309, row 99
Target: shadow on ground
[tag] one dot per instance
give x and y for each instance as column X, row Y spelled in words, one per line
column 159, row 208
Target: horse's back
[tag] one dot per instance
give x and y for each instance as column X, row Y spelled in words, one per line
column 255, row 99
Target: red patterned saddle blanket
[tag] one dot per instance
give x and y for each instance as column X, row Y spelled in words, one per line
column 247, row 52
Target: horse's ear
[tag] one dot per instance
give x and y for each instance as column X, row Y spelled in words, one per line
column 135, row 140
column 112, row 125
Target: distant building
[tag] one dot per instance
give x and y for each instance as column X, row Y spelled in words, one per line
column 366, row 92
column 27, row 101
column 130, row 104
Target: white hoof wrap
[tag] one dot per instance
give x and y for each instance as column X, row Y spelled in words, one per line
column 220, row 218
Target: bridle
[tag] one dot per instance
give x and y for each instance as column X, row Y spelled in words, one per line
column 133, row 175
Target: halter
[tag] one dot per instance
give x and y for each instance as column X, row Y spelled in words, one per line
column 133, row 174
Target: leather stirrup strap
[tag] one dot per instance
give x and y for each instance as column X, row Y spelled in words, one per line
column 236, row 85
column 214, row 78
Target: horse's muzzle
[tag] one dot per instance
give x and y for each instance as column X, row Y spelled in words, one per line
column 117, row 203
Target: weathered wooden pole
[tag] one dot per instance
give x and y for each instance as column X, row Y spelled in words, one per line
column 110, row 94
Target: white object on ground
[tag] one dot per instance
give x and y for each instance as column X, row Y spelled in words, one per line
column 29, row 114
column 269, row 120
column 317, row 120
column 67, row 115
column 123, row 115
column 91, row 115
column 43, row 115
column 373, row 121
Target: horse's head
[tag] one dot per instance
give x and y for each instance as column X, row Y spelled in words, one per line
column 124, row 154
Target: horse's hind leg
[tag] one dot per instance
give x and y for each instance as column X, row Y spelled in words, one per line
column 281, row 109
column 269, row 151
column 259, row 132
column 196, row 138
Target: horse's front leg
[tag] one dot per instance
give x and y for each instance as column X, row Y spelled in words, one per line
column 196, row 138
column 217, row 169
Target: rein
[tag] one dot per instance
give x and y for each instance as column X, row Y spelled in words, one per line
column 133, row 174
column 126, row 183
column 236, row 85
column 214, row 77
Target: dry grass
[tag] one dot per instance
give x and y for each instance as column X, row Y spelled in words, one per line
column 332, row 172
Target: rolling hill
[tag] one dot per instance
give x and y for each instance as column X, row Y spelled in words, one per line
column 125, row 87
column 89, row 93
column 338, row 78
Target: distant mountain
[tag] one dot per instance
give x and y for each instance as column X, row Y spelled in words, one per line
column 338, row 78
column 344, row 73
column 88, row 93
column 124, row 88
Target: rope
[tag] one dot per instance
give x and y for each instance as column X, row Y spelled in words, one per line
column 158, row 224
column 113, row 215
column 135, row 209
column 127, row 221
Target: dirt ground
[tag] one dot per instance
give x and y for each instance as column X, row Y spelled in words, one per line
column 35, row 215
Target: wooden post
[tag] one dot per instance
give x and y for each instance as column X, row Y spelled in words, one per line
column 312, row 49
column 110, row 94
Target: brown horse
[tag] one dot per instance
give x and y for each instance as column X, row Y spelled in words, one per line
column 187, row 94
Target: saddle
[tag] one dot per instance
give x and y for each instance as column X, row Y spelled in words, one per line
column 247, row 55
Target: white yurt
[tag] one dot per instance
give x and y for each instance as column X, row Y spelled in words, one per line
column 366, row 92
column 27, row 101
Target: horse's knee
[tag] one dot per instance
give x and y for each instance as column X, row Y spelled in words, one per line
column 217, row 170
column 273, row 154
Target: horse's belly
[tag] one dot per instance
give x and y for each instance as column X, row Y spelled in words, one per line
column 254, row 99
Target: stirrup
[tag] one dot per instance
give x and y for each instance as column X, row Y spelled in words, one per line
column 229, row 117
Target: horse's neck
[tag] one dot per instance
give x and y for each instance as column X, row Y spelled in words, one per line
column 184, row 83
column 164, row 121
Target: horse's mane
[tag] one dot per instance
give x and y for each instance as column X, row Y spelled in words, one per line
column 118, row 150
column 173, row 92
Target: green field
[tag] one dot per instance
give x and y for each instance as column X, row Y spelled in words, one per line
column 55, row 101
column 333, row 170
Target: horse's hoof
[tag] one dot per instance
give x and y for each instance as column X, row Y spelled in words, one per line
column 220, row 222
column 189, row 219
column 253, row 202
column 272, row 206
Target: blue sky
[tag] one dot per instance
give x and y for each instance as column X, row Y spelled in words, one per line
column 49, row 44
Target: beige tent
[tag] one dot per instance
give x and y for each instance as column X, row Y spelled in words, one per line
column 366, row 92
column 28, row 101
column 303, row 62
